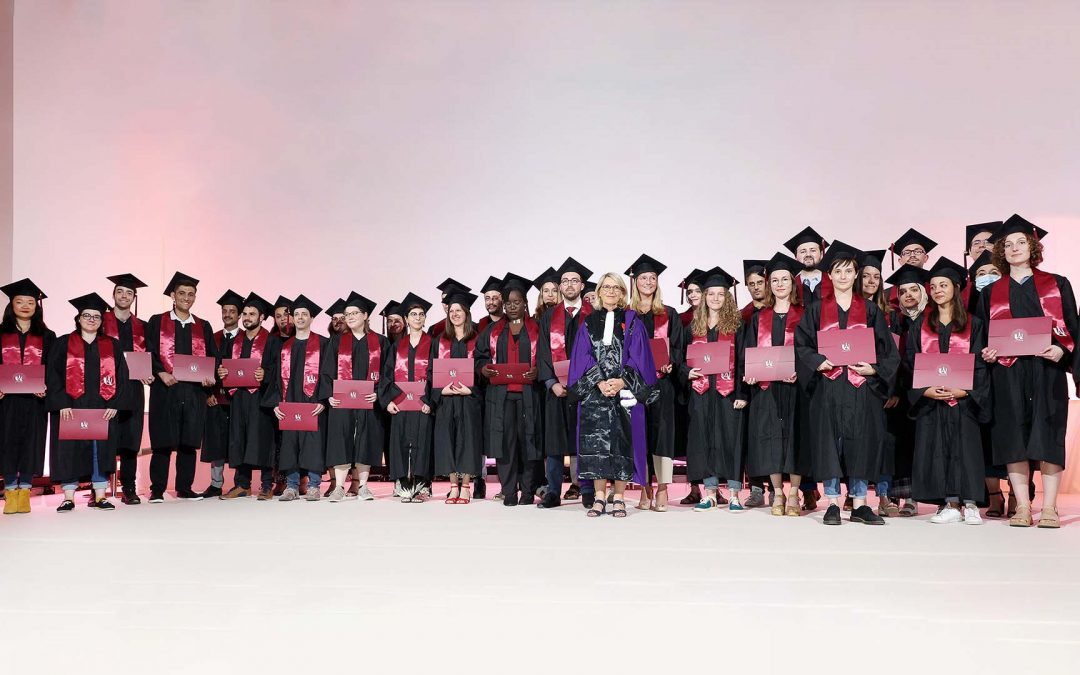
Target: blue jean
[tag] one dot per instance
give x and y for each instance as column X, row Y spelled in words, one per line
column 17, row 483
column 856, row 487
column 98, row 480
column 881, row 488
column 292, row 480
column 712, row 483
column 553, row 471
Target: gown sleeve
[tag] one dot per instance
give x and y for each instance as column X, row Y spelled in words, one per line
column 584, row 374
column 807, row 358
column 273, row 395
column 56, row 396
column 435, row 394
column 888, row 358
column 639, row 369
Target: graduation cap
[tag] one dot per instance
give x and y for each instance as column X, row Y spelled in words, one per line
column 358, row 301
column 89, row 301
column 646, row 264
column 693, row 278
column 781, row 261
column 808, row 235
column 839, row 250
column 514, row 281
column 261, row 305
column 590, row 287
column 492, row 284
column 912, row 236
column 972, row 231
column 955, row 272
column 907, row 274
column 571, row 265
column 446, row 286
column 392, row 307
column 548, row 275
column 985, row 258
column 23, row 287
column 754, row 267
column 231, row 297
column 463, row 298
column 873, row 259
column 282, row 301
column 413, row 300
column 336, row 307
column 180, row 279
column 1016, row 224
column 302, row 302
column 127, row 280
column 717, row 277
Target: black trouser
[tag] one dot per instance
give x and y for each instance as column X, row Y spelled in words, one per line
column 159, row 469
column 242, row 476
column 516, row 472
column 129, row 463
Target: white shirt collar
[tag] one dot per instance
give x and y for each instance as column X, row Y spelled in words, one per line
column 183, row 322
column 230, row 333
column 576, row 304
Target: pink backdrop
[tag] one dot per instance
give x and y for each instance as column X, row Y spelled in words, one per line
column 325, row 146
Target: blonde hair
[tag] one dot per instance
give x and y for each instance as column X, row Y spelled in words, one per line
column 729, row 316
column 657, row 306
column 618, row 281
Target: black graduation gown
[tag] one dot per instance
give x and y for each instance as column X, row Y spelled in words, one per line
column 495, row 395
column 300, row 450
column 23, row 424
column 72, row 461
column 216, row 434
column 356, row 436
column 660, row 416
column 1031, row 397
column 459, row 423
column 131, row 421
column 948, row 458
column 848, row 430
column 251, row 426
column 777, row 423
column 560, row 416
column 177, row 413
column 409, row 454
column 899, row 447
column 715, row 443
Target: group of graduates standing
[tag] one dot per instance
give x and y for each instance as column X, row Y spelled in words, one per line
column 597, row 373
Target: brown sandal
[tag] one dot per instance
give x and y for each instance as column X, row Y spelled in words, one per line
column 1022, row 518
column 1049, row 518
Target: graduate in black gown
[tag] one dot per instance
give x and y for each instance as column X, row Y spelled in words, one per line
column 459, row 429
column 410, row 456
column 1031, row 393
column 661, row 322
column 25, row 340
column 294, row 378
column 558, row 330
column 355, row 438
column 977, row 242
column 121, row 323
column 714, row 450
column 215, row 448
column 691, row 288
column 777, row 417
column 251, row 426
column 848, row 430
column 86, row 371
column 512, row 411
column 811, row 283
column 948, row 465
column 448, row 286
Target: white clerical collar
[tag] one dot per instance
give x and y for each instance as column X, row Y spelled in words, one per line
column 609, row 326
column 183, row 322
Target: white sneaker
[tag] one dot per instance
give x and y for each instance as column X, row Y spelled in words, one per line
column 971, row 516
column 365, row 494
column 947, row 515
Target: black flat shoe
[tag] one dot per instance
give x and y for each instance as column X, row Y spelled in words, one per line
column 550, row 501
column 832, row 515
column 526, row 500
column 510, row 499
column 189, row 495
column 130, row 498
column 157, row 497
column 211, row 492
column 65, row 506
column 865, row 515
column 104, row 505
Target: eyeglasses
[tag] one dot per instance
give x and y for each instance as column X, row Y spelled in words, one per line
column 90, row 317
column 610, row 287
column 571, row 281
column 907, row 252
column 352, row 314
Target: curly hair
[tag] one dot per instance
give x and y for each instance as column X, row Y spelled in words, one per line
column 729, row 317
column 1035, row 247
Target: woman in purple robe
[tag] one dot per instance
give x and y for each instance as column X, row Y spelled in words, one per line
column 612, row 378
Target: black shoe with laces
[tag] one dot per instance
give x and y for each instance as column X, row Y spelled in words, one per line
column 104, row 505
column 188, row 495
column 865, row 515
column 832, row 515
column 130, row 498
column 550, row 501
column 211, row 492
column 65, row 506
column 157, row 497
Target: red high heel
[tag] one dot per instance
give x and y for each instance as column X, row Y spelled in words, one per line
column 465, row 500
column 453, row 500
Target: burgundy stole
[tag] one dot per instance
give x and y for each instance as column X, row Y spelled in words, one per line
column 830, row 320
column 531, row 328
column 311, row 365
column 12, row 353
column 557, row 338
column 257, row 346
column 344, row 357
column 725, row 382
column 112, row 329
column 764, row 330
column 1049, row 299
column 958, row 342
column 76, row 367
column 420, row 362
column 445, row 345
column 167, row 345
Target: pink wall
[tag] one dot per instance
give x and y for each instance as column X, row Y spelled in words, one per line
column 325, row 146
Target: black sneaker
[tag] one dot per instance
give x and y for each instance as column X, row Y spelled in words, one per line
column 104, row 505
column 550, row 501
column 188, row 495
column 526, row 500
column 130, row 497
column 211, row 492
column 65, row 506
column 510, row 499
column 865, row 515
column 157, row 497
column 832, row 515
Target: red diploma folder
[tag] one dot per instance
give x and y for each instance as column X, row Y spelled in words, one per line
column 770, row 364
column 712, row 358
column 193, row 368
column 20, row 379
column 510, row 373
column 298, row 417
column 1020, row 337
column 352, row 394
column 848, row 346
column 661, row 352
column 241, row 372
column 562, row 371
column 952, row 371
column 410, row 398
column 86, row 424
column 452, row 371
column 138, row 364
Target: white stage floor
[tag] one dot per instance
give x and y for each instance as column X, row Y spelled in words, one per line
column 487, row 588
